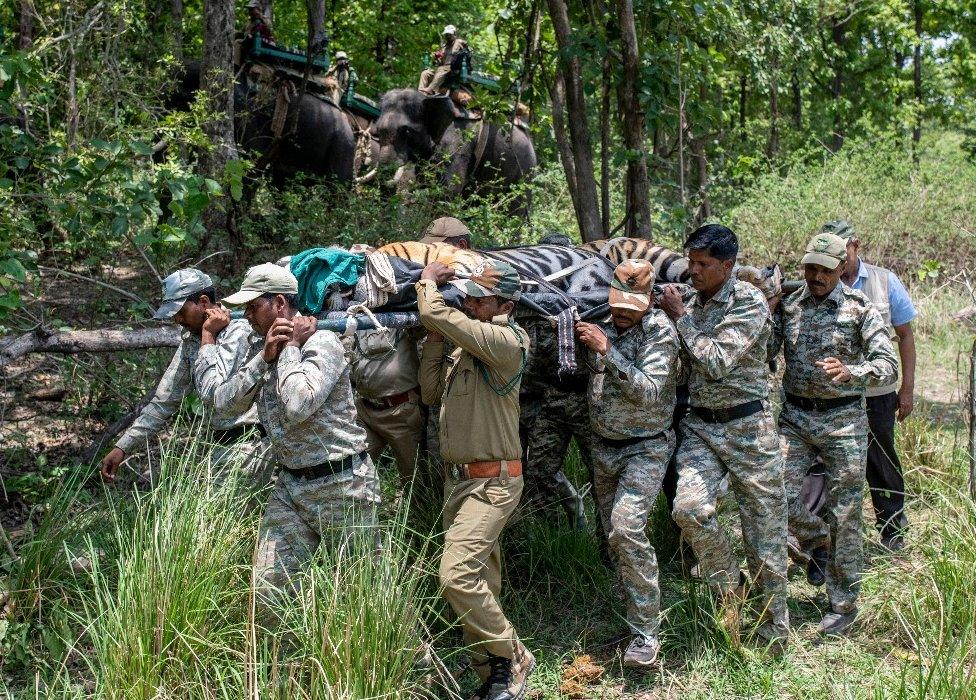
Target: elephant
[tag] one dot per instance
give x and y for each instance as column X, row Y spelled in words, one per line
column 321, row 144
column 474, row 155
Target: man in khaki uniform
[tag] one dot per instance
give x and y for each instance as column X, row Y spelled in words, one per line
column 432, row 79
column 384, row 367
column 478, row 391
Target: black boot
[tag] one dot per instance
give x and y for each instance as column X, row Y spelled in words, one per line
column 817, row 566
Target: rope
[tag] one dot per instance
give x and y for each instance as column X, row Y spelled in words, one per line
column 510, row 385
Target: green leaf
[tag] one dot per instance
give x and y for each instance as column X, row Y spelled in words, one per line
column 120, row 226
column 13, row 268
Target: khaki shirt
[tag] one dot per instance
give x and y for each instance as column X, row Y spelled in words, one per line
column 304, row 400
column 844, row 325
column 632, row 391
column 383, row 363
column 724, row 340
column 451, row 49
column 476, row 424
column 231, row 351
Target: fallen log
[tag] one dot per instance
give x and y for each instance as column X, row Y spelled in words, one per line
column 71, row 342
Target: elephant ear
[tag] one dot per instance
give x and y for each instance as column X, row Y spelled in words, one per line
column 438, row 115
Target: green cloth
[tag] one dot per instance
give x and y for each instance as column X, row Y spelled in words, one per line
column 320, row 270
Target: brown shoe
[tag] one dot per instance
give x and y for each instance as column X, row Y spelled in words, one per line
column 642, row 653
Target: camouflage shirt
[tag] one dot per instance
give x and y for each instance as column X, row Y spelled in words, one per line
column 844, row 325
column 632, row 390
column 231, row 351
column 304, row 400
column 724, row 341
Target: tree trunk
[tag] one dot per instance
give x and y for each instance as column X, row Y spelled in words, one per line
column 176, row 14
column 838, row 32
column 44, row 340
column 797, row 95
column 588, row 216
column 772, row 146
column 917, row 78
column 217, row 81
column 25, row 25
column 632, row 118
column 605, row 150
column 557, row 95
column 316, row 20
column 743, row 84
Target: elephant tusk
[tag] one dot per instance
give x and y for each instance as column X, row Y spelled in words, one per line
column 368, row 177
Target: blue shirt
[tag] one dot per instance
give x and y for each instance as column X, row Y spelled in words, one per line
column 901, row 307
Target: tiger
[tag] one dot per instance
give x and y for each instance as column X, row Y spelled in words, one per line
column 669, row 266
column 460, row 259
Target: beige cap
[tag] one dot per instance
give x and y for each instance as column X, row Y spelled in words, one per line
column 444, row 228
column 631, row 285
column 266, row 278
column 825, row 249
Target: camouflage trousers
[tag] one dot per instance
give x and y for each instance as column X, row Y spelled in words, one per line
column 626, row 481
column 303, row 515
column 840, row 438
column 747, row 450
column 551, row 420
column 249, row 457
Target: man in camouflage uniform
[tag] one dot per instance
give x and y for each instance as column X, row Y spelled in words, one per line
column 299, row 378
column 190, row 300
column 632, row 399
column 835, row 344
column 384, row 366
column 730, row 430
column 477, row 387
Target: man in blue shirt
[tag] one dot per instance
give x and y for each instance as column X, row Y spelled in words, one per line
column 884, row 404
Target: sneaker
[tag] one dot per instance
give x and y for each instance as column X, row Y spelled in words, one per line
column 836, row 624
column 817, row 566
column 508, row 679
column 642, row 653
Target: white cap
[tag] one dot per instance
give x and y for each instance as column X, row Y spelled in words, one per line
column 340, row 54
column 449, row 29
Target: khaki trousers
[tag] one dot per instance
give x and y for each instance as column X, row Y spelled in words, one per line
column 475, row 513
column 433, row 78
column 401, row 428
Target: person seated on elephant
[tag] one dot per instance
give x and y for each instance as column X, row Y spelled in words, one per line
column 448, row 230
column 344, row 75
column 433, row 80
column 257, row 24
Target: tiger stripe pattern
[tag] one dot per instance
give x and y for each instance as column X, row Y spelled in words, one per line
column 570, row 269
column 669, row 266
column 426, row 253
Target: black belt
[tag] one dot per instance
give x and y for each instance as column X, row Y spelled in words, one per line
column 810, row 404
column 725, row 415
column 627, row 442
column 232, row 435
column 336, row 466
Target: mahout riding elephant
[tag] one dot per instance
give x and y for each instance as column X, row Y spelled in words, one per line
column 472, row 154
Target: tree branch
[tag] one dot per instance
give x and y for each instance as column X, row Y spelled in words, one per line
column 44, row 340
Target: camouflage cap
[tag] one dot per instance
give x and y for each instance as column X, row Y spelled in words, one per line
column 631, row 285
column 839, row 228
column 492, row 278
column 444, row 228
column 178, row 287
column 266, row 278
column 825, row 249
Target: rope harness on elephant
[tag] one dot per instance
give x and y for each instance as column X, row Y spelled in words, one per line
column 286, row 92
